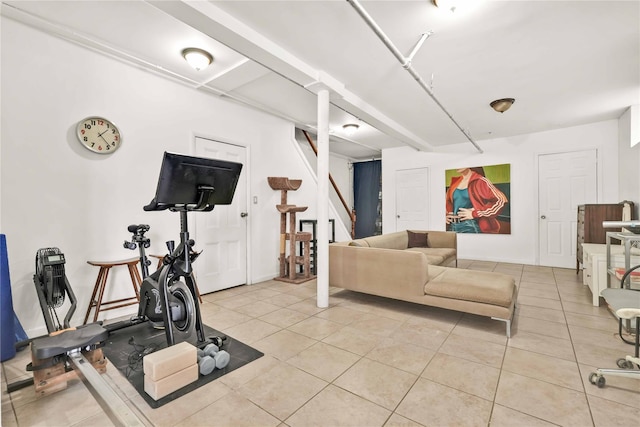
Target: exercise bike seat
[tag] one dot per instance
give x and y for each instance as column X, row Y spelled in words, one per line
column 66, row 341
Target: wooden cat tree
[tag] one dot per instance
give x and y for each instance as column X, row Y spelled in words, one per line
column 288, row 263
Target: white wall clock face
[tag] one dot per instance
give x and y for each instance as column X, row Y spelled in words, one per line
column 99, row 135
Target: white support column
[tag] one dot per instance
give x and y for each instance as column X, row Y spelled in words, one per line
column 322, row 240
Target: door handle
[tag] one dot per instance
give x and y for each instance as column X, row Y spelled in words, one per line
column 243, row 214
column 543, row 217
column 398, row 216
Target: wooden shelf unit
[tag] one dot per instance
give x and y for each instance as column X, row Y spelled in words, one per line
column 589, row 224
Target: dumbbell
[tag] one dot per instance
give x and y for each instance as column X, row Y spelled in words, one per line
column 210, row 358
column 206, row 364
column 219, row 341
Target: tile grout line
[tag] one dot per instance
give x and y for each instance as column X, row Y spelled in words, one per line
column 575, row 355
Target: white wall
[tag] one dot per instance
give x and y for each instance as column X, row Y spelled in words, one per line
column 629, row 158
column 341, row 171
column 521, row 152
column 56, row 193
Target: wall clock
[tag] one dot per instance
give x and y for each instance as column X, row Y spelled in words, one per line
column 99, row 135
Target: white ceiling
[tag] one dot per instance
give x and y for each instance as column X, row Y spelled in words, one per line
column 566, row 63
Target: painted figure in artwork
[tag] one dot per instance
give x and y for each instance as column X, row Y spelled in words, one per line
column 473, row 203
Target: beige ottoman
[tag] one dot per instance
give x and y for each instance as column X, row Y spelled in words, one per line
column 484, row 293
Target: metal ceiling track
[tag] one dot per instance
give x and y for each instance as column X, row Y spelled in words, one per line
column 406, row 63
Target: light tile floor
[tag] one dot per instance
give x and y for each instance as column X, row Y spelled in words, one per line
column 369, row 361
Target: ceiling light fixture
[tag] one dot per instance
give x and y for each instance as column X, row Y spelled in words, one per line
column 350, row 128
column 199, row 59
column 502, row 105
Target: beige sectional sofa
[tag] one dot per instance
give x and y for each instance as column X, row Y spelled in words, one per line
column 386, row 266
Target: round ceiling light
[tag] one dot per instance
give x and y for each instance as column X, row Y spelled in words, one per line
column 350, row 128
column 199, row 59
column 502, row 105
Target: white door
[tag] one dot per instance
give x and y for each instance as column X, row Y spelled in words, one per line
column 565, row 180
column 222, row 233
column 412, row 199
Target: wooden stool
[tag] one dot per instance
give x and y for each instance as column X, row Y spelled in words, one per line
column 159, row 258
column 101, row 283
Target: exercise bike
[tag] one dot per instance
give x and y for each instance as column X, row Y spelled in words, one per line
column 182, row 310
column 186, row 184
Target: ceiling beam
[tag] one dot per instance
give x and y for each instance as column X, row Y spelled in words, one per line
column 223, row 27
column 406, row 62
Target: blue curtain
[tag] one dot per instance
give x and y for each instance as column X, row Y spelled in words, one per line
column 366, row 188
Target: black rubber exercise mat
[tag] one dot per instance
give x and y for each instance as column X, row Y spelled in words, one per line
column 125, row 349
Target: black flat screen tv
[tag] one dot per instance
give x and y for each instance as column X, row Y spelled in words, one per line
column 183, row 179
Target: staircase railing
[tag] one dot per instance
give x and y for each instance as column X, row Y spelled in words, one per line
column 350, row 212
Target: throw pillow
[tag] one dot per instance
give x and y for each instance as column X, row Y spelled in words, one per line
column 418, row 240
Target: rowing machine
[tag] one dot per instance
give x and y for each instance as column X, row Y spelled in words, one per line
column 67, row 353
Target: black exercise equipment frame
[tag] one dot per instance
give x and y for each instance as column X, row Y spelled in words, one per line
column 54, row 271
column 176, row 265
column 189, row 184
column 142, row 242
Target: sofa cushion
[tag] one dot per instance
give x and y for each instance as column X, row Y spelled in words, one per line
column 417, row 240
column 359, row 243
column 397, row 240
column 433, row 258
column 436, row 256
column 471, row 285
column 444, row 253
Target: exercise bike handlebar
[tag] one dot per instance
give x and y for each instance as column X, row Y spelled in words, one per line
column 204, row 202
